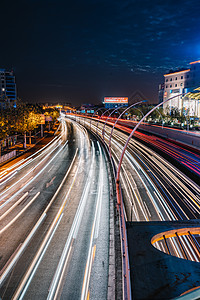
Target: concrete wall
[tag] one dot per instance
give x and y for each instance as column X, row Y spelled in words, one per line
column 190, row 138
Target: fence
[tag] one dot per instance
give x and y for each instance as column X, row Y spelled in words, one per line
column 7, row 156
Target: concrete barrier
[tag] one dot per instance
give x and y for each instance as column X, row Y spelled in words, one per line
column 191, row 138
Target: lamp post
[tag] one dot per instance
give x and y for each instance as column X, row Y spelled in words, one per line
column 118, row 120
column 140, row 112
column 101, row 117
column 108, row 118
column 119, row 199
column 95, row 113
column 126, row 144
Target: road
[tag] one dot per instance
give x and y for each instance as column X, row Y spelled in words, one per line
column 153, row 188
column 54, row 230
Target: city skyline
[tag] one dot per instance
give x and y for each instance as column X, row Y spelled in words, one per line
column 82, row 52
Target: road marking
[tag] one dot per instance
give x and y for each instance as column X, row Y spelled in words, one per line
column 21, row 249
column 54, row 288
column 25, row 243
column 19, row 214
column 13, row 206
column 19, row 191
column 50, row 182
column 94, row 234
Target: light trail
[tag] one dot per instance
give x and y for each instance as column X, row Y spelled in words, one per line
column 94, row 232
column 8, row 267
column 14, row 205
column 26, row 161
column 184, row 192
column 20, row 292
column 4, row 273
column 19, row 214
column 34, row 265
column 73, row 232
column 30, row 181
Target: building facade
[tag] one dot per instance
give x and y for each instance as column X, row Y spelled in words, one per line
column 191, row 103
column 177, row 85
column 8, row 93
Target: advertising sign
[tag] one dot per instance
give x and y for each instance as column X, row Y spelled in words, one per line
column 48, row 118
column 122, row 100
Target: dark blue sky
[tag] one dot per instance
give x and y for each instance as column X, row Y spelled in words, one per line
column 81, row 51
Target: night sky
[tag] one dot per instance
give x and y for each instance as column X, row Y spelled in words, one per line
column 81, row 51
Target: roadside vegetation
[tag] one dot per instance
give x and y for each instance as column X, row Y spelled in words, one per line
column 23, row 119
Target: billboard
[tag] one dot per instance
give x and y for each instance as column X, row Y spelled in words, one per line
column 119, row 100
column 48, row 118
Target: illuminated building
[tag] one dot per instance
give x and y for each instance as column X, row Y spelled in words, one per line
column 191, row 103
column 8, row 94
column 177, row 84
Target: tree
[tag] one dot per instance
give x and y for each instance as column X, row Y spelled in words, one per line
column 28, row 118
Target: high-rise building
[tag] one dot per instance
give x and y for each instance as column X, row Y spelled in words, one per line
column 8, row 93
column 177, row 84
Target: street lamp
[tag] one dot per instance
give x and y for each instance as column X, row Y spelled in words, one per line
column 95, row 113
column 108, row 118
column 118, row 120
column 101, row 117
column 126, row 144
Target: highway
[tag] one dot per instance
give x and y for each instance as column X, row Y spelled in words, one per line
column 54, row 229
column 184, row 156
column 153, row 188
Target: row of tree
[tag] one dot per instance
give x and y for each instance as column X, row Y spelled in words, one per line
column 23, row 118
column 173, row 116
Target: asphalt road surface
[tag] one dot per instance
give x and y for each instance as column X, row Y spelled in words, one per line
column 153, row 188
column 54, row 229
